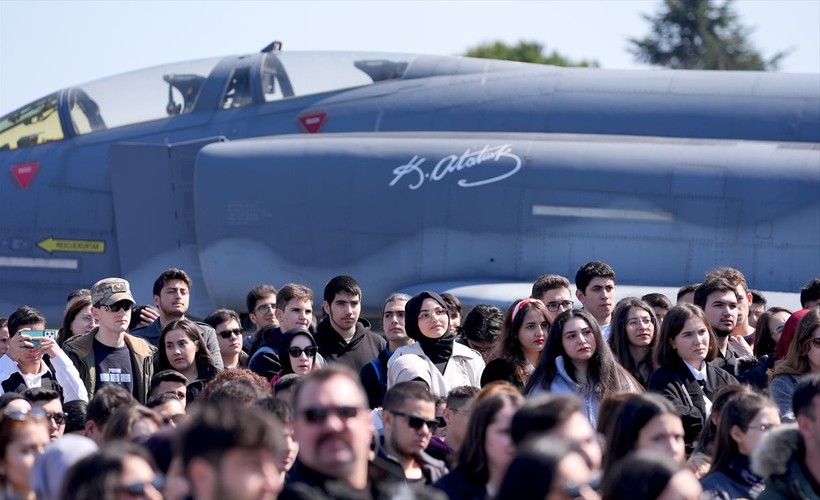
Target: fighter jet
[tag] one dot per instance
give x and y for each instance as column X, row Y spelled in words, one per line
column 407, row 172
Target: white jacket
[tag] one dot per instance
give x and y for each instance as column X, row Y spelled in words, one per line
column 464, row 368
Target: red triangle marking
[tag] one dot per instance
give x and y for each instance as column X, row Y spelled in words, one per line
column 24, row 173
column 312, row 122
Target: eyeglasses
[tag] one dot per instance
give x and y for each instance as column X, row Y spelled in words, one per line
column 265, row 308
column 226, row 334
column 815, row 341
column 58, row 417
column 138, row 489
column 295, row 352
column 563, row 305
column 415, row 422
column 636, row 322
column 119, row 306
column 434, row 314
column 23, row 414
column 318, row 414
column 176, row 419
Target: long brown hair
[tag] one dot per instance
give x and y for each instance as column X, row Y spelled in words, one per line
column 672, row 325
column 619, row 337
column 739, row 411
column 472, row 457
column 764, row 343
column 796, row 361
column 509, row 347
column 202, row 358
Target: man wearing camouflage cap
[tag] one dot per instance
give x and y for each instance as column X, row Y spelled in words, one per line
column 108, row 354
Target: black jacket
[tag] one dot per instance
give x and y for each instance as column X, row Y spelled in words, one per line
column 458, row 486
column 500, row 369
column 364, row 346
column 678, row 385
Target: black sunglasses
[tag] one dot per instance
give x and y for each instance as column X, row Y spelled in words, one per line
column 226, row 334
column 319, row 414
column 138, row 489
column 59, row 417
column 415, row 422
column 119, row 306
column 295, row 352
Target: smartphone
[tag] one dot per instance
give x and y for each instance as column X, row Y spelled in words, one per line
column 38, row 334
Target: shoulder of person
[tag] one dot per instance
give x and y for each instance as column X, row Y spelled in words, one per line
column 139, row 345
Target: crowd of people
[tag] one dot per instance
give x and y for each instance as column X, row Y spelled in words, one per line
column 714, row 397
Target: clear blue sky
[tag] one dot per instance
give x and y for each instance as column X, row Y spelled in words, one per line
column 47, row 45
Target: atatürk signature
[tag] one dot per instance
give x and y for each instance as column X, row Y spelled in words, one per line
column 454, row 163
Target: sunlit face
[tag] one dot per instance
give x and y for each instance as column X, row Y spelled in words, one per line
column 180, row 350
column 572, row 470
column 455, row 321
column 404, row 440
column 721, row 311
column 233, row 344
column 640, row 329
column 55, row 418
column 28, row 442
column 83, row 322
column 264, row 312
column 173, row 299
column 248, row 475
column 393, row 320
column 599, row 298
column 533, row 332
column 113, row 321
column 302, row 363
column 297, row 313
column 176, row 388
column 755, row 311
column 663, row 433
column 136, row 471
column 743, row 303
column 692, row 343
column 344, row 311
column 578, row 340
column 434, row 319
column 682, row 486
column 748, row 440
column 559, row 299
column 498, row 444
column 776, row 323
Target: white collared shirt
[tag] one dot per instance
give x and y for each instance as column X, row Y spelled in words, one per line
column 700, row 375
column 64, row 371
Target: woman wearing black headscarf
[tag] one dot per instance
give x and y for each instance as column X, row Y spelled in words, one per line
column 451, row 363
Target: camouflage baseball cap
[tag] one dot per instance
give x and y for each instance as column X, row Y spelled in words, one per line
column 110, row 291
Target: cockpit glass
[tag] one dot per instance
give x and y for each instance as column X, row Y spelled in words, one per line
column 30, row 125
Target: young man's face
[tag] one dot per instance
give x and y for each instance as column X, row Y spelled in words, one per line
column 115, row 318
column 264, row 312
column 173, row 299
column 404, row 440
column 176, row 388
column 56, row 417
column 598, row 298
column 233, row 343
column 393, row 321
column 344, row 311
column 297, row 313
column 4, row 340
column 240, row 474
column 559, row 299
column 721, row 312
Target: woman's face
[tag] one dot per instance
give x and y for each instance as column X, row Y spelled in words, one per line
column 533, row 332
column 571, row 480
column 498, row 444
column 29, row 441
column 663, row 433
column 814, row 351
column 302, row 363
column 136, row 480
column 434, row 320
column 776, row 323
column 578, row 340
column 83, row 322
column 747, row 440
column 639, row 327
column 180, row 350
column 692, row 343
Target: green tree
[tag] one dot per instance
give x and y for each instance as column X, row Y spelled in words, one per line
column 531, row 52
column 699, row 34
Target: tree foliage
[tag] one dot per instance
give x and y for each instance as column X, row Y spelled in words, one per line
column 699, row 34
column 531, row 52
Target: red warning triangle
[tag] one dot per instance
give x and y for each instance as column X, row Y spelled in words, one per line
column 24, row 173
column 312, row 122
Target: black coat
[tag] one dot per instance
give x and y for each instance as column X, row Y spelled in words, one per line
column 364, row 346
column 677, row 384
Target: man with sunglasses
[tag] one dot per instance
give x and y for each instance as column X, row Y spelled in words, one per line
column 334, row 430
column 409, row 416
column 172, row 296
column 108, row 354
column 49, row 401
column 229, row 335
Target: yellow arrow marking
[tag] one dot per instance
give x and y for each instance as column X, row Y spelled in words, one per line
column 52, row 245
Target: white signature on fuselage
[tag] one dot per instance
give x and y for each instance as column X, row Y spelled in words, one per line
column 454, row 163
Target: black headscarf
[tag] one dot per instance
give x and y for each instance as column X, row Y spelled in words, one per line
column 284, row 345
column 439, row 350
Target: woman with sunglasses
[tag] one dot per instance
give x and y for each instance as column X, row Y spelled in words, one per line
column 523, row 336
column 743, row 421
column 487, row 450
column 225, row 323
column 450, row 363
column 684, row 376
column 802, row 358
column 632, row 337
column 297, row 354
column 119, row 470
column 182, row 348
column 577, row 360
column 23, row 436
